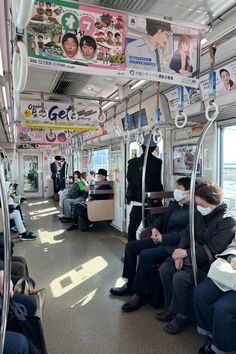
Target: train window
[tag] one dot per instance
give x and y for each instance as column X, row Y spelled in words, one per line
column 228, row 167
column 30, row 165
column 100, row 159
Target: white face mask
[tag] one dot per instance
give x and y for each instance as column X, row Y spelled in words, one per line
column 204, row 211
column 179, row 195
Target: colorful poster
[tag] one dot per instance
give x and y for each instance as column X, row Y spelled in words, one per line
column 160, row 50
column 225, row 83
column 98, row 41
column 90, row 135
column 59, row 116
column 191, row 95
column 67, row 35
column 183, row 158
column 40, row 136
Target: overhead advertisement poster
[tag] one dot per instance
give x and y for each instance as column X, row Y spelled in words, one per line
column 40, row 136
column 59, row 116
column 86, row 39
column 225, row 83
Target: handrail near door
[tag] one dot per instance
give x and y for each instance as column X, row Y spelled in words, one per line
column 7, row 255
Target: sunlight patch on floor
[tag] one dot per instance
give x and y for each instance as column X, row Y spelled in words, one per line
column 40, row 216
column 77, row 276
column 36, row 212
column 38, row 203
column 48, row 236
column 85, row 300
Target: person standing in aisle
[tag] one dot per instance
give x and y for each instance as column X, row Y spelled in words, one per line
column 134, row 190
column 55, row 169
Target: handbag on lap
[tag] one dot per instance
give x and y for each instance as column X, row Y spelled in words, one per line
column 25, row 286
column 223, row 274
column 30, row 327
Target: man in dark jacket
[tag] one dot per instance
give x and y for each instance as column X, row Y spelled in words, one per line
column 55, row 169
column 134, row 190
column 165, row 232
column 214, row 230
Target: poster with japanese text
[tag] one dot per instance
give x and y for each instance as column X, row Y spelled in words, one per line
column 183, row 159
column 92, row 40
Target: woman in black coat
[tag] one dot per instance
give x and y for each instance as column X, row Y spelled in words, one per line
column 214, row 230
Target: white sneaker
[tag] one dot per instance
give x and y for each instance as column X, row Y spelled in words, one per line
column 60, row 215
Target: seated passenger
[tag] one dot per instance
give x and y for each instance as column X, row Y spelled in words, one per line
column 80, row 210
column 215, row 308
column 15, row 215
column 165, row 236
column 64, row 193
column 75, row 195
column 214, row 230
column 84, row 180
column 16, row 342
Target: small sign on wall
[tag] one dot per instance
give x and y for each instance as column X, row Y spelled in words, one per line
column 183, row 159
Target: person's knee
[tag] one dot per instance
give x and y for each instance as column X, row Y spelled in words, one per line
column 144, row 258
column 15, row 343
column 181, row 279
column 164, row 270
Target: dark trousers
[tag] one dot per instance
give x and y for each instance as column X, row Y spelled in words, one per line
column 216, row 314
column 177, row 286
column 15, row 343
column 135, row 218
column 80, row 210
column 56, row 184
column 149, row 254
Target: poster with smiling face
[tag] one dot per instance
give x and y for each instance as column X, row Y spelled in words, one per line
column 79, row 34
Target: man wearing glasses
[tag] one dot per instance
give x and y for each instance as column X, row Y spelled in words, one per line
column 146, row 53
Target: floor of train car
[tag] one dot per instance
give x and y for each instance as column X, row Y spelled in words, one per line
column 78, row 269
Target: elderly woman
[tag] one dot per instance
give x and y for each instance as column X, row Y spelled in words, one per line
column 214, row 230
column 215, row 308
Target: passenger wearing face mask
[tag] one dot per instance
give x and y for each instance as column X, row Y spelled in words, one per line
column 165, row 234
column 214, row 230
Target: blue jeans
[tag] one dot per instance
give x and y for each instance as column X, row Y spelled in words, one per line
column 15, row 343
column 216, row 314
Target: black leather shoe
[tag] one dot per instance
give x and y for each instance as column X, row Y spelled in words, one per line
column 165, row 316
column 177, row 325
column 122, row 291
column 72, row 227
column 133, row 305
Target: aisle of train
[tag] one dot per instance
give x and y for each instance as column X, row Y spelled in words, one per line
column 78, row 269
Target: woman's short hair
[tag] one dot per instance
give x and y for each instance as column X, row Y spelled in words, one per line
column 210, row 192
column 185, row 182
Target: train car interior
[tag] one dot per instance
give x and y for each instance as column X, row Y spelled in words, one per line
column 93, row 96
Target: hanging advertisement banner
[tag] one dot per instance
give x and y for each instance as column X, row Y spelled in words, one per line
column 40, row 136
column 225, row 83
column 86, row 39
column 90, row 135
column 59, row 116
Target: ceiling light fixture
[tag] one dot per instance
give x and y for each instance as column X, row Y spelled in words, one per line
column 137, row 84
column 4, row 96
column 1, row 65
column 203, row 41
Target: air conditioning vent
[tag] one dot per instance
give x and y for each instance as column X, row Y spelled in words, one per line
column 70, row 84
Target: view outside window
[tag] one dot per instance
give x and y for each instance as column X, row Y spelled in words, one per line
column 30, row 165
column 229, row 167
column 100, row 159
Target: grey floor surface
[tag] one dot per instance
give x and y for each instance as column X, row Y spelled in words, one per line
column 77, row 269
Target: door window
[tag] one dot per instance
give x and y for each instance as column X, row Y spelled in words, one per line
column 31, row 176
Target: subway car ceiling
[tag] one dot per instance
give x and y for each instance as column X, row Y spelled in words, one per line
column 216, row 17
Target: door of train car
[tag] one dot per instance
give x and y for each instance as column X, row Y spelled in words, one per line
column 31, row 174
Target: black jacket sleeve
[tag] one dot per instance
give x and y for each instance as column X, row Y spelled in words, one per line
column 219, row 240
column 172, row 238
